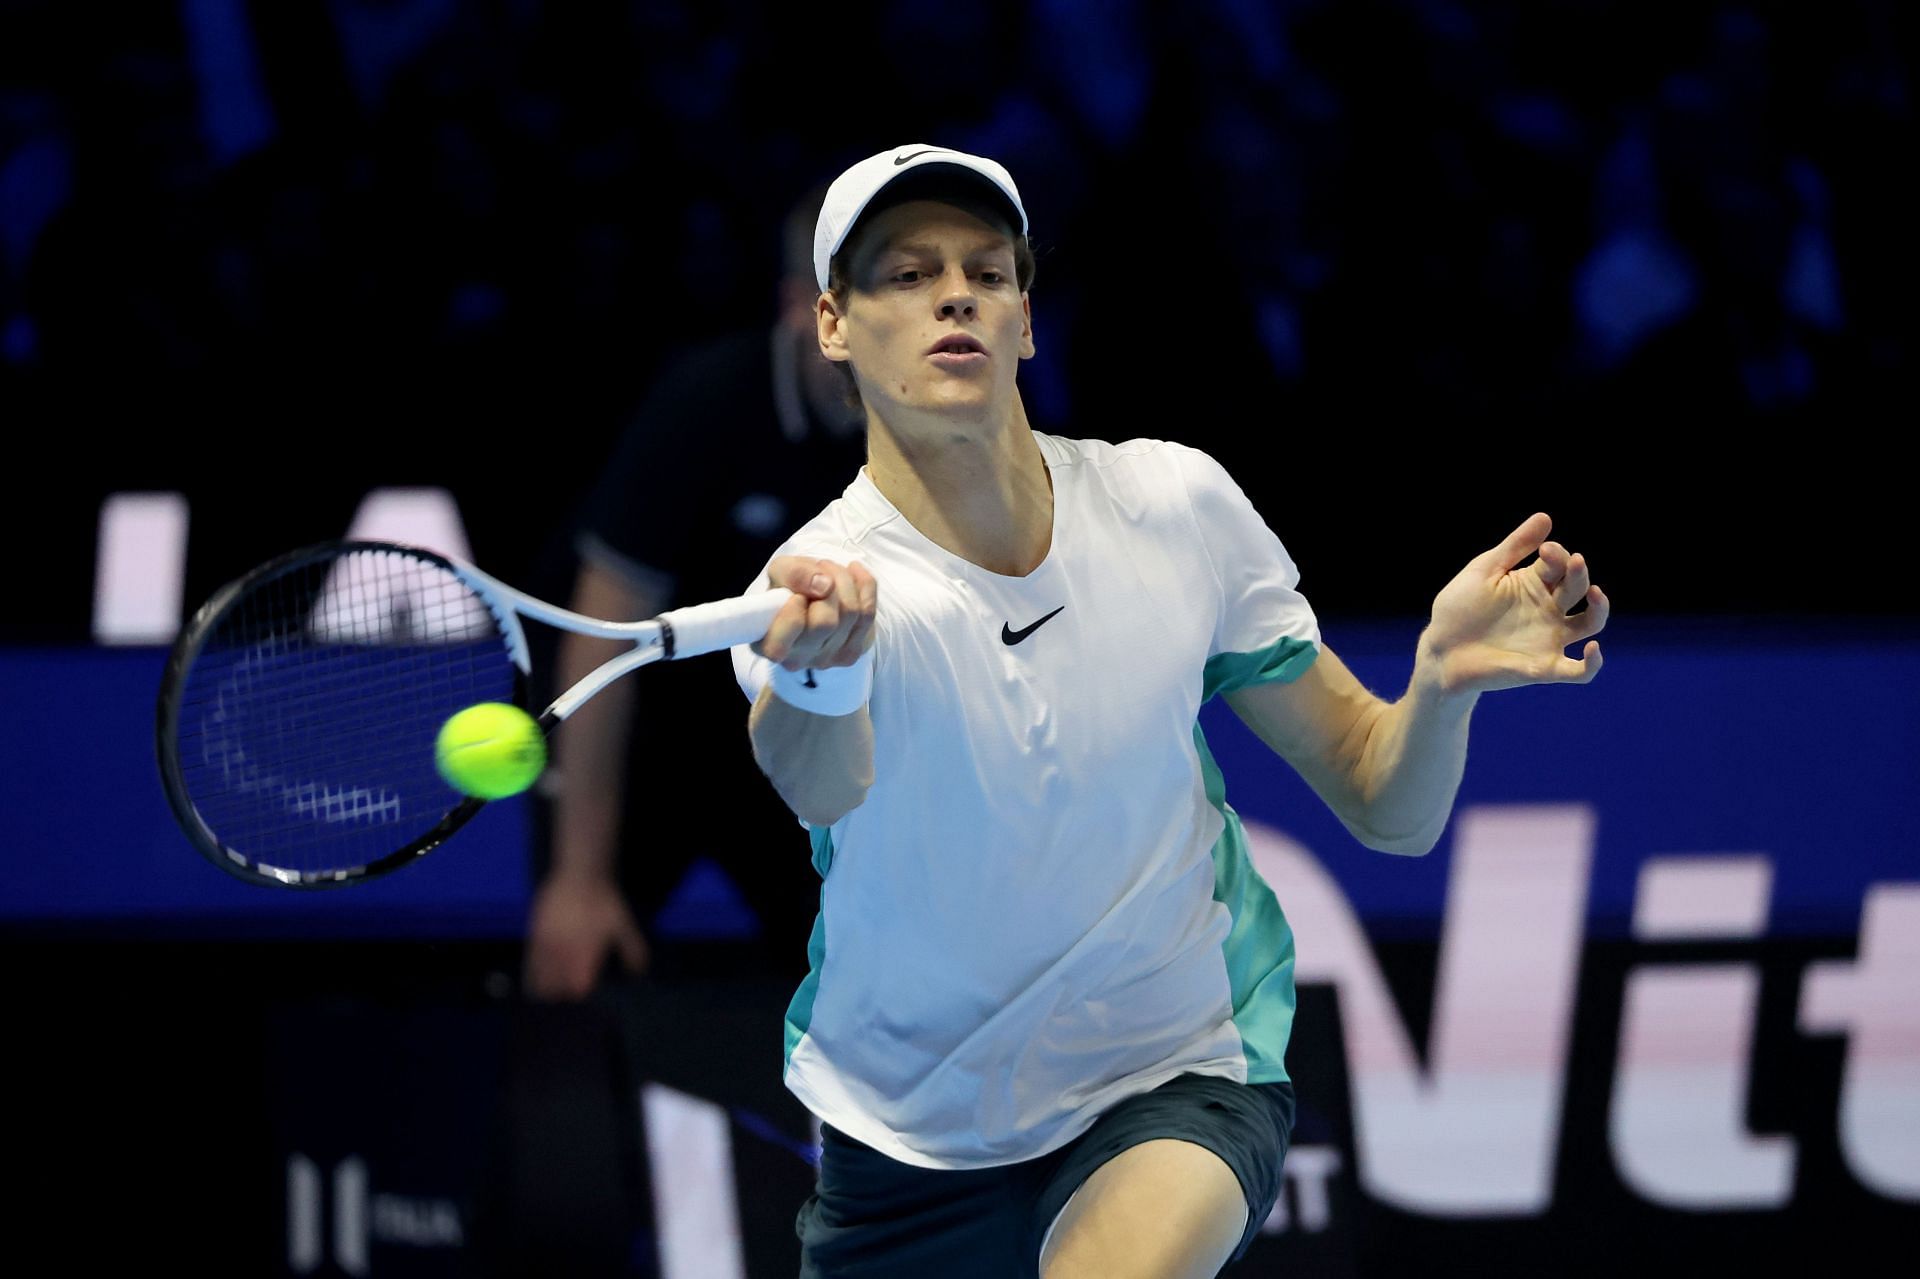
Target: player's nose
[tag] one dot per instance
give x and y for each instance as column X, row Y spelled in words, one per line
column 955, row 295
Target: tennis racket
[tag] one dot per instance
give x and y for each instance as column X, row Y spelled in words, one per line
column 300, row 704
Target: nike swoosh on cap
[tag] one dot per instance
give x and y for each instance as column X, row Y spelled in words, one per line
column 899, row 160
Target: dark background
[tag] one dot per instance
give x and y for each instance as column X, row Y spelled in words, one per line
column 1412, row 270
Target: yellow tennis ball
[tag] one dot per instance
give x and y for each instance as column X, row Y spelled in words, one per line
column 490, row 751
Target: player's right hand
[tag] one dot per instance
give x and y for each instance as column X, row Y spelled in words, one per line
column 577, row 921
column 829, row 622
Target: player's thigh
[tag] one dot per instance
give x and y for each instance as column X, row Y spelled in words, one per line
column 1164, row 1209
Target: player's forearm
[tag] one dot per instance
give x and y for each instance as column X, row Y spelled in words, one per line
column 1409, row 770
column 821, row 765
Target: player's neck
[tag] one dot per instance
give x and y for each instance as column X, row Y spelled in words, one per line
column 982, row 493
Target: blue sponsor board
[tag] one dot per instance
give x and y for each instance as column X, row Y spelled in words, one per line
column 1800, row 746
column 90, row 840
column 1659, row 1099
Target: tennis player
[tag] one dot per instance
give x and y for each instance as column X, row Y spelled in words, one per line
column 1046, row 1023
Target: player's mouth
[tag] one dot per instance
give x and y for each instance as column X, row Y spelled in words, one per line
column 957, row 351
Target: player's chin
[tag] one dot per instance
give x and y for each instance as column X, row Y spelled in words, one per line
column 958, row 395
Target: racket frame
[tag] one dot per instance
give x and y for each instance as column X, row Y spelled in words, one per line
column 653, row 640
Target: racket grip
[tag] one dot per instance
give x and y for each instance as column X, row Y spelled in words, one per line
column 707, row 628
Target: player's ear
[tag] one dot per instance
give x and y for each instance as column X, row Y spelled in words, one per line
column 830, row 325
column 1026, row 326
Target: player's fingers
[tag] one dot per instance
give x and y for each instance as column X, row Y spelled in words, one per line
column 860, row 638
column 826, row 625
column 1519, row 544
column 869, row 588
column 813, row 629
column 851, row 595
column 1594, row 620
column 1551, row 567
column 788, row 625
column 846, row 587
column 844, row 595
column 1571, row 670
column 800, row 574
column 854, row 596
column 1589, row 664
column 1572, row 587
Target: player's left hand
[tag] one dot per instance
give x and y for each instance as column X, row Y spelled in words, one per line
column 1497, row 625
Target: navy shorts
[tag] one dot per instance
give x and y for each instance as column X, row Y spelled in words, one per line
column 877, row 1218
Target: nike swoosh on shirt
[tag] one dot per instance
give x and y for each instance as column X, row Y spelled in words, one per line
column 1010, row 637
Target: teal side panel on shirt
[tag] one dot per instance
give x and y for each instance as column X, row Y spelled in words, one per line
column 1286, row 660
column 1259, row 947
column 800, row 1011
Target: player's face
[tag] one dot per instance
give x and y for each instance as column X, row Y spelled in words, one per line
column 935, row 320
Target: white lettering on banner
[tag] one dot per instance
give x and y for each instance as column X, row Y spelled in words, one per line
column 350, row 1215
column 393, row 1219
column 426, row 517
column 695, row 1204
column 420, row 1223
column 1677, row 1125
column 1872, row 1001
column 303, row 1215
column 1476, row 1133
column 140, row 567
column 387, row 606
column 304, row 1253
column 1694, row 897
column 1307, row 1171
column 140, row 564
column 371, row 600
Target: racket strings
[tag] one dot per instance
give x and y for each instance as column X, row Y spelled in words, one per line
column 307, row 723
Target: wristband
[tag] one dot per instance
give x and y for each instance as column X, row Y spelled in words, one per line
column 834, row 690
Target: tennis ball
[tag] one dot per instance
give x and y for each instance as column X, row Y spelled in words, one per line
column 490, row 751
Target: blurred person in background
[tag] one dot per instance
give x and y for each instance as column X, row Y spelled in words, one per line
column 734, row 443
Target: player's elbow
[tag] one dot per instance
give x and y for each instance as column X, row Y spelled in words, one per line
column 1406, row 846
column 1417, row 843
column 824, row 805
column 821, row 766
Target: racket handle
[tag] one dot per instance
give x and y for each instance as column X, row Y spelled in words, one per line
column 707, row 628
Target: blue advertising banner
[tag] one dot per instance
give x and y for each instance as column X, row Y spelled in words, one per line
column 1802, row 750
column 1650, row 999
column 90, row 841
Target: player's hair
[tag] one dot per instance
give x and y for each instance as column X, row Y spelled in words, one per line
column 932, row 184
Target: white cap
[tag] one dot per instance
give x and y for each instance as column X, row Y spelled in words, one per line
column 854, row 190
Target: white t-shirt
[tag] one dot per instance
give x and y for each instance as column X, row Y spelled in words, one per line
column 1044, row 905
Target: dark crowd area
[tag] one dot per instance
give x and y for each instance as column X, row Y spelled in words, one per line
column 1411, row 268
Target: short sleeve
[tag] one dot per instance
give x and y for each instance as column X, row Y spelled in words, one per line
column 1264, row 629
